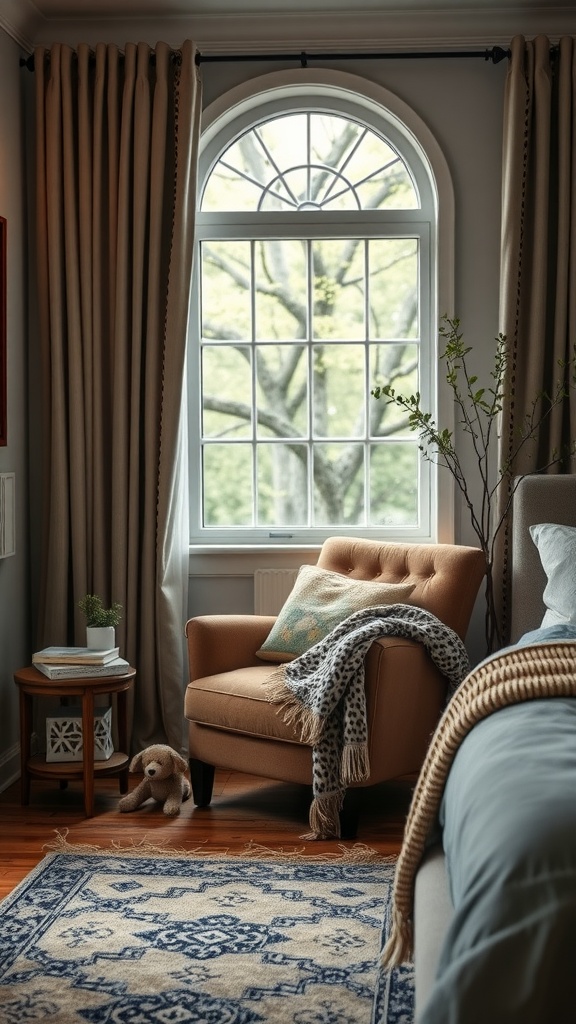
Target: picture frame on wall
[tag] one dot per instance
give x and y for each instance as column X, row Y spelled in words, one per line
column 3, row 339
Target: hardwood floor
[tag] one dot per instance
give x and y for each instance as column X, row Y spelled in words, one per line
column 243, row 809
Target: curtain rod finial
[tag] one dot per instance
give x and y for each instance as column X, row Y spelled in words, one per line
column 496, row 54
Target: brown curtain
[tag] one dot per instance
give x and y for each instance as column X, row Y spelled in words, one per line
column 538, row 270
column 116, row 153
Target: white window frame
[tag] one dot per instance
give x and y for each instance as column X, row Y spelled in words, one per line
column 351, row 96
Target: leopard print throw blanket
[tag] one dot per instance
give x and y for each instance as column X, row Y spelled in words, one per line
column 534, row 670
column 322, row 694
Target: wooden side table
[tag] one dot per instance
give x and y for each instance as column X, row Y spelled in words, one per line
column 33, row 683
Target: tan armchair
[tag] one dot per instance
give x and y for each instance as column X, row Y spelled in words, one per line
column 233, row 725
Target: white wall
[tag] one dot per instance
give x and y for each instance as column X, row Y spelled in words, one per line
column 14, row 571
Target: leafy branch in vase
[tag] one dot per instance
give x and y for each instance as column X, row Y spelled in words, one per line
column 478, row 410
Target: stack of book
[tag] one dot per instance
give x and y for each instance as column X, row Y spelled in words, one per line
column 79, row 662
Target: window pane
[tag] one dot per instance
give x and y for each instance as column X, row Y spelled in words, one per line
column 281, row 290
column 225, row 268
column 393, row 484
column 338, row 278
column 227, row 189
column 389, row 187
column 315, row 161
column 372, row 168
column 283, row 142
column 226, row 391
column 393, row 283
column 396, row 365
column 228, row 498
column 282, row 390
column 282, row 485
column 339, row 390
column 338, row 485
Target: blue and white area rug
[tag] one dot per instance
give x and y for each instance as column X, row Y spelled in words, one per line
column 131, row 939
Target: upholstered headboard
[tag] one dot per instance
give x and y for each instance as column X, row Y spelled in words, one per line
column 538, row 499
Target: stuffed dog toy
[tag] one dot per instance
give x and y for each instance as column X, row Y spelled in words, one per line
column 164, row 779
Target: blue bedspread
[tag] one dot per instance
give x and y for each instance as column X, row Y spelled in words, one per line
column 509, row 833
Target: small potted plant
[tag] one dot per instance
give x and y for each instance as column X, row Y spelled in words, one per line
column 101, row 622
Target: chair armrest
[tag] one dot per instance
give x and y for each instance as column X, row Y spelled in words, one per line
column 222, row 643
column 405, row 697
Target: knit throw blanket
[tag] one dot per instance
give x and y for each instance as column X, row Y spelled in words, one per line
column 544, row 669
column 322, row 694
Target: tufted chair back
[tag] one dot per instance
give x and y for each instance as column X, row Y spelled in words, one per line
column 446, row 576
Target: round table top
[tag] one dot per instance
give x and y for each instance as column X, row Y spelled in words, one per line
column 31, row 680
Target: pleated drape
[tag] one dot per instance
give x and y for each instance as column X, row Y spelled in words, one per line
column 116, row 154
column 538, row 268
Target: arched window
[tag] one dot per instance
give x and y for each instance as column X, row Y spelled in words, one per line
column 316, row 279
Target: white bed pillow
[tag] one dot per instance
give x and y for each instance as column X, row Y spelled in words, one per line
column 557, row 549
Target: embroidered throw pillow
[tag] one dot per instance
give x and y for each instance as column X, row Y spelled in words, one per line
column 319, row 600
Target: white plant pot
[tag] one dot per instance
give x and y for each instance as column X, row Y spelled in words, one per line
column 100, row 638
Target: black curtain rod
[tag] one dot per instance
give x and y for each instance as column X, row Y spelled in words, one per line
column 495, row 54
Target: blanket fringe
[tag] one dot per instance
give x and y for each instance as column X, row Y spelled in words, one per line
column 355, row 766
column 358, row 853
column 308, row 724
column 398, row 948
column 325, row 817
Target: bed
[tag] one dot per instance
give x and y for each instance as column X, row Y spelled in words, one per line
column 492, row 873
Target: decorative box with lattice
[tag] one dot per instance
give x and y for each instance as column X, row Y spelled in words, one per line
column 64, row 740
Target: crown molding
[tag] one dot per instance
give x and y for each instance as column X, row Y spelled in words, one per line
column 280, row 32
column 21, row 20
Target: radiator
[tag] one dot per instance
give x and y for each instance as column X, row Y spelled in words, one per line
column 271, row 588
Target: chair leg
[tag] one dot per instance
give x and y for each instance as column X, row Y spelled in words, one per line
column 350, row 814
column 202, row 779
